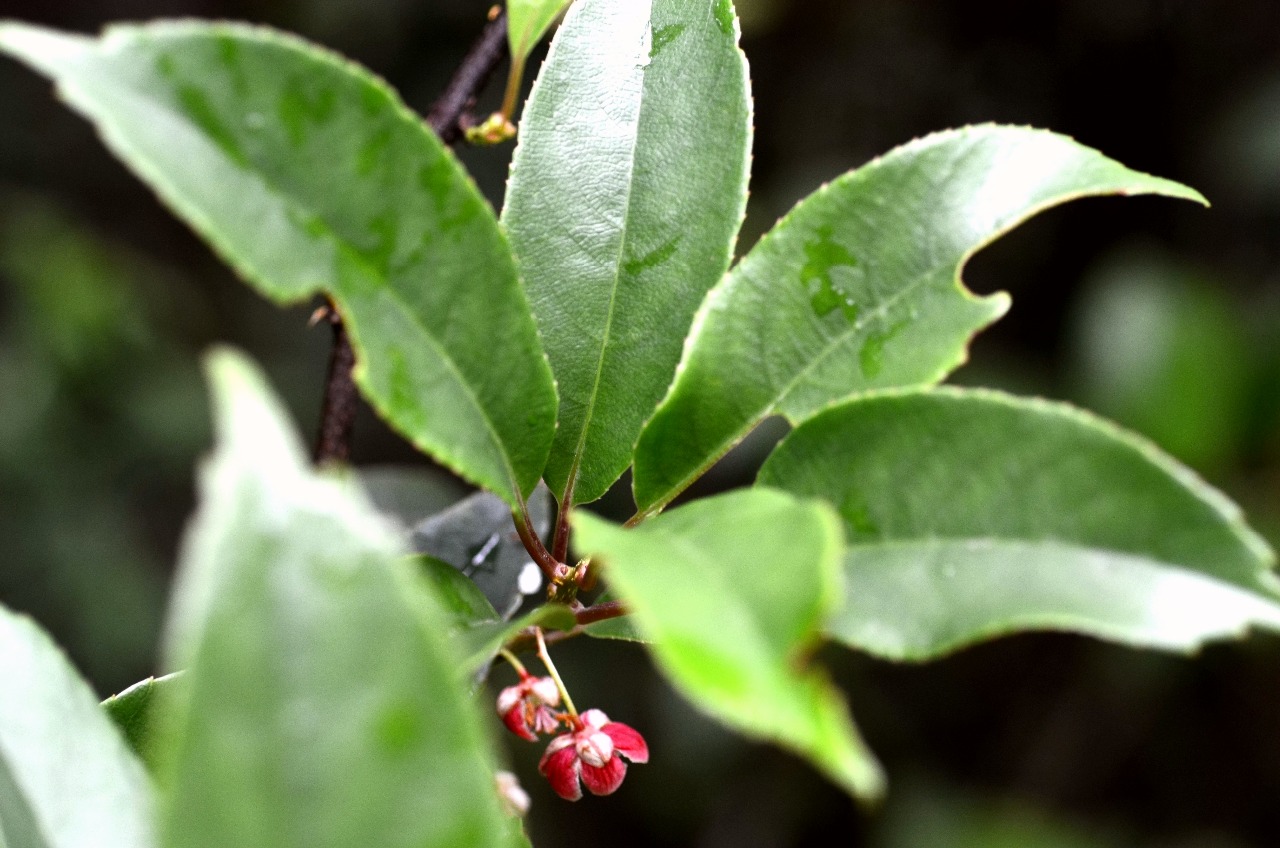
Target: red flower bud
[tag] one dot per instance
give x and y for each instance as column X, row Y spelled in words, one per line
column 592, row 754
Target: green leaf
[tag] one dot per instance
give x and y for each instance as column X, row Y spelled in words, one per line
column 971, row 514
column 528, row 21
column 482, row 639
column 457, row 594
column 323, row 706
column 133, row 711
column 626, row 192
column 859, row 288
column 307, row 174
column 67, row 778
column 478, row 627
column 764, row 571
column 1167, row 352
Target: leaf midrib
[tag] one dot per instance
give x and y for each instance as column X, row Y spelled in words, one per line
column 579, row 449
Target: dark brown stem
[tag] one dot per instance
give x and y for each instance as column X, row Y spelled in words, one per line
column 472, row 75
column 338, row 409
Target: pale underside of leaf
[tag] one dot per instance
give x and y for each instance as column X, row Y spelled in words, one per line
column 920, row 600
column 858, row 288
column 307, row 174
column 619, row 220
column 67, row 779
column 973, row 513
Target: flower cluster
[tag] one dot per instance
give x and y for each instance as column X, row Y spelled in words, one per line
column 592, row 750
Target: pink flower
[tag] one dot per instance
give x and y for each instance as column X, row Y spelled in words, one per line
column 591, row 753
column 525, row 707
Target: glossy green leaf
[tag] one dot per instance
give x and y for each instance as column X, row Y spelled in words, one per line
column 766, row 569
column 859, row 288
column 528, row 21
column 307, row 174
column 971, row 514
column 67, row 778
column 133, row 711
column 620, row 216
column 322, row 706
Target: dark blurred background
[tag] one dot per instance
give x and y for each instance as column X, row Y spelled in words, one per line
column 1160, row 314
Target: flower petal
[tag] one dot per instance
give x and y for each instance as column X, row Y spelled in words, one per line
column 606, row 779
column 508, row 698
column 595, row 719
column 594, row 748
column 561, row 769
column 546, row 691
column 514, row 721
column 627, row 741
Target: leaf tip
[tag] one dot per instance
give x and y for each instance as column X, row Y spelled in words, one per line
column 38, row 46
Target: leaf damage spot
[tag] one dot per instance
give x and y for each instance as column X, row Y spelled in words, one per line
column 821, row 255
column 662, row 36
column 871, row 357
column 197, row 106
column 302, row 105
column 653, row 258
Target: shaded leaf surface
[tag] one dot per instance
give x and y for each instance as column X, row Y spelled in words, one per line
column 323, row 707
column 619, row 218
column 528, row 21
column 473, row 620
column 621, row 628
column 133, row 710
column 410, row 493
column 767, row 571
column 477, row 537
column 67, row 778
column 307, row 174
column 858, row 288
column 971, row 514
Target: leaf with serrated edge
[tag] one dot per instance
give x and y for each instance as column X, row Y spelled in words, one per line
column 971, row 514
column 322, row 705
column 307, row 174
column 767, row 571
column 67, row 778
column 858, row 288
column 528, row 21
column 619, row 219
